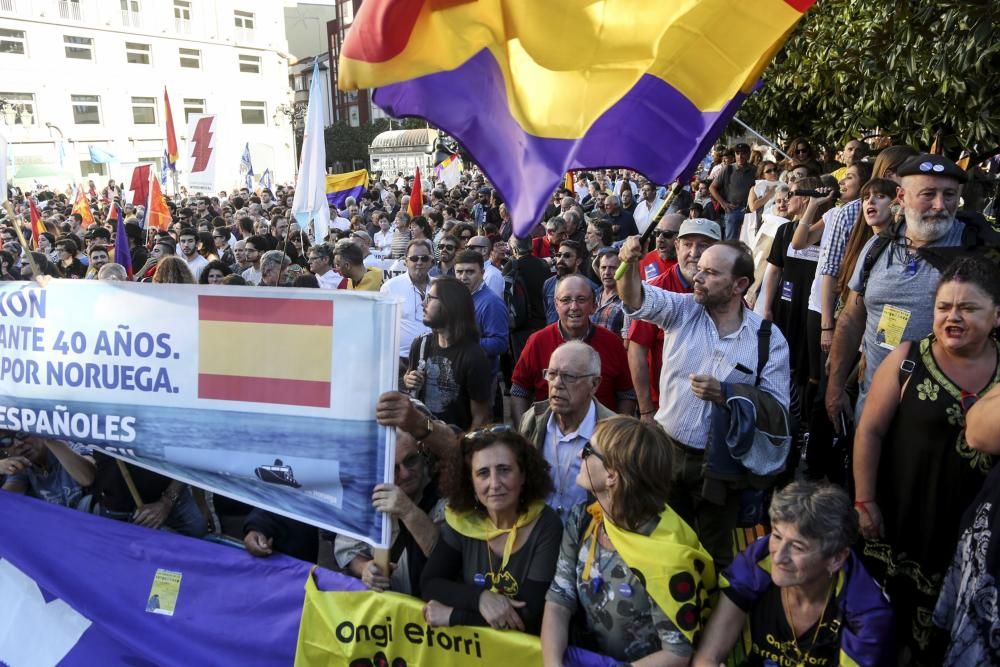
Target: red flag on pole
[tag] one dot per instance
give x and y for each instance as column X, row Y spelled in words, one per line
column 157, row 213
column 171, row 137
column 82, row 206
column 416, row 206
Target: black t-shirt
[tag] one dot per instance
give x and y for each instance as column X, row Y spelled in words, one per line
column 453, row 376
column 111, row 490
column 534, row 272
column 771, row 637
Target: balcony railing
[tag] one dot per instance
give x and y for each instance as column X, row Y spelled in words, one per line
column 131, row 19
column 8, row 6
column 68, row 10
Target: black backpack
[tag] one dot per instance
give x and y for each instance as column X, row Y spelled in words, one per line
column 515, row 296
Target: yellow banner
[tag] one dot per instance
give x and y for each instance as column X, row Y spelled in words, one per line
column 338, row 628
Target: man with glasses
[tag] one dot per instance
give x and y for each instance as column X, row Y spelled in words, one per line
column 255, row 247
column 320, row 258
column 492, row 275
column 574, row 305
column 447, row 248
column 646, row 207
column 731, row 188
column 664, row 256
column 568, row 260
column 220, row 238
column 411, row 287
column 645, row 340
column 564, row 422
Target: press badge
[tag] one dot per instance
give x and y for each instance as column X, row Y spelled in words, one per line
column 891, row 325
column 786, row 290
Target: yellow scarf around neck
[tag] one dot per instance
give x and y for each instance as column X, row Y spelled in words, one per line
column 480, row 526
column 677, row 572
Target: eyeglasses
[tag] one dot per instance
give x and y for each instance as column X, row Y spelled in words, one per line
column 588, row 451
column 552, row 374
column 578, row 300
column 417, row 259
column 314, row 258
column 446, row 246
column 486, row 432
column 666, row 234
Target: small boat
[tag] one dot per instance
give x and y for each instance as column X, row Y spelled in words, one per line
column 278, row 473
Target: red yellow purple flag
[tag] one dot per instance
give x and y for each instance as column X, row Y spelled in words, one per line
column 37, row 226
column 298, row 335
column 535, row 89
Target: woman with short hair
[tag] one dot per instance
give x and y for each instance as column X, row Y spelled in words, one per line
column 803, row 595
column 628, row 562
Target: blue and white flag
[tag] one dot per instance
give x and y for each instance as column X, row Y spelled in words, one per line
column 166, row 167
column 246, row 167
column 99, row 155
column 265, row 181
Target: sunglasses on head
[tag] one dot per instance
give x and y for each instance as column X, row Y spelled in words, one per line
column 486, row 432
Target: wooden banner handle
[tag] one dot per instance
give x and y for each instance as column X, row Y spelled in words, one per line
column 130, row 483
column 381, row 558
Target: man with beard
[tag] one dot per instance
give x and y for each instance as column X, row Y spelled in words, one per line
column 98, row 255
column 188, row 245
column 663, row 257
column 892, row 303
column 447, row 248
column 448, row 370
column 710, row 338
column 569, row 259
column 645, row 340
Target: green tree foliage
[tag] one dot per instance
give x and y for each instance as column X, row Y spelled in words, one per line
column 906, row 69
column 345, row 143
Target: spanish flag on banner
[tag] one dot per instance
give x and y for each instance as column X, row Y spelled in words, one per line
column 297, row 333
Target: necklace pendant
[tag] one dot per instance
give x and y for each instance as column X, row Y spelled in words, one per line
column 479, row 578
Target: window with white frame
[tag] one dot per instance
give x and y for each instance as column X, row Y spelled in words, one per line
column 19, row 109
column 137, row 54
column 190, row 58
column 78, row 48
column 12, row 41
column 249, row 64
column 243, row 19
column 253, row 113
column 86, row 109
column 182, row 16
column 192, row 105
column 130, row 13
column 144, row 110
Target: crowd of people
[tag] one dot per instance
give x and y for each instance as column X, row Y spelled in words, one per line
column 797, row 342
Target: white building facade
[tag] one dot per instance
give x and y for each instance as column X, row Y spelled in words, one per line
column 82, row 73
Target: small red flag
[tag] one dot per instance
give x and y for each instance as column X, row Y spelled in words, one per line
column 416, row 206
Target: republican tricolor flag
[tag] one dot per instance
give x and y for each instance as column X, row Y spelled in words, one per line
column 535, row 89
column 295, row 370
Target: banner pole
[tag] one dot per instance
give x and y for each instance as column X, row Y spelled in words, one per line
column 762, row 138
column 381, row 557
column 130, row 483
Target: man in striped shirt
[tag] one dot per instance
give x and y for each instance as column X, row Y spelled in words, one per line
column 710, row 337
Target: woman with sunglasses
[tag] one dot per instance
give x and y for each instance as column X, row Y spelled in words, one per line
column 762, row 192
column 628, row 562
column 497, row 551
column 914, row 472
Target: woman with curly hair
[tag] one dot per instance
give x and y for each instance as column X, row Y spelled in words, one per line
column 214, row 273
column 497, row 550
column 173, row 269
